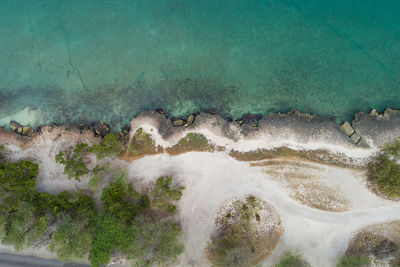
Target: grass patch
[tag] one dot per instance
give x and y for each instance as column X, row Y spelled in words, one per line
column 141, row 145
column 290, row 260
column 191, row 142
column 353, row 261
column 384, row 171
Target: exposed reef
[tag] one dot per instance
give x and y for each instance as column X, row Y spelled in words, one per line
column 366, row 131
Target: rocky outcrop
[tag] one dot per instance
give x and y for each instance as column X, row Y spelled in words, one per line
column 378, row 129
column 46, row 133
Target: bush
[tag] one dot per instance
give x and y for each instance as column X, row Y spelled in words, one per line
column 353, row 261
column 384, row 173
column 72, row 240
column 290, row 260
column 154, row 242
column 165, row 194
column 110, row 146
column 75, row 166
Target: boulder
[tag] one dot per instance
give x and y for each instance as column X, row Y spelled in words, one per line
column 190, row 120
column 27, row 131
column 355, row 137
column 347, row 128
column 102, row 129
column 15, row 125
column 177, row 122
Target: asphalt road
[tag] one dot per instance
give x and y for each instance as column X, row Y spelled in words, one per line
column 11, row 260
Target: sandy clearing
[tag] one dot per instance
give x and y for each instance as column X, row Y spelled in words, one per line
column 213, row 178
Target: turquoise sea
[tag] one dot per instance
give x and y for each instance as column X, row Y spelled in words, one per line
column 74, row 60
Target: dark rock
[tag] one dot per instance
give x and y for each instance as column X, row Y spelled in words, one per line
column 160, row 111
column 101, row 128
column 14, row 125
column 212, row 111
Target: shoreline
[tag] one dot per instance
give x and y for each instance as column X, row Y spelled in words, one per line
column 295, row 130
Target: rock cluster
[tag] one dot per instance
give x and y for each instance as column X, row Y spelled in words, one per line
column 20, row 129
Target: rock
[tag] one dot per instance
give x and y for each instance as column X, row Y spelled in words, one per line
column 212, row 111
column 160, row 111
column 347, row 128
column 190, row 120
column 15, row 125
column 253, row 124
column 177, row 122
column 240, row 122
column 27, row 131
column 355, row 137
column 102, row 129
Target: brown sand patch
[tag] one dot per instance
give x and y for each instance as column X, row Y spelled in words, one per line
column 289, row 163
column 317, row 196
column 247, row 231
column 305, row 186
column 320, row 156
column 192, row 142
column 140, row 146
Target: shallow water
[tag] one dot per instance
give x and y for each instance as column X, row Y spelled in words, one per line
column 89, row 60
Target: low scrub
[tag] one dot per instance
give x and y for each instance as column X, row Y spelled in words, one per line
column 353, row 261
column 238, row 239
column 109, row 146
column 75, row 165
column 384, row 171
column 290, row 260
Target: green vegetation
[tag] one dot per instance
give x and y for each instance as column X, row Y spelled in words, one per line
column 290, row 260
column 75, row 166
column 71, row 226
column 191, row 142
column 165, row 194
column 353, row 261
column 384, row 172
column 234, row 243
column 110, row 146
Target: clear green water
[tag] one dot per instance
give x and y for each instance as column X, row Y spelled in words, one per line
column 91, row 60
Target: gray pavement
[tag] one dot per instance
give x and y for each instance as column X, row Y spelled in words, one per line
column 12, row 260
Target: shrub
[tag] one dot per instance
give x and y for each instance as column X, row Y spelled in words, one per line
column 75, row 166
column 384, row 173
column 290, row 260
column 165, row 194
column 154, row 242
column 111, row 233
column 109, row 146
column 353, row 261
column 72, row 240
